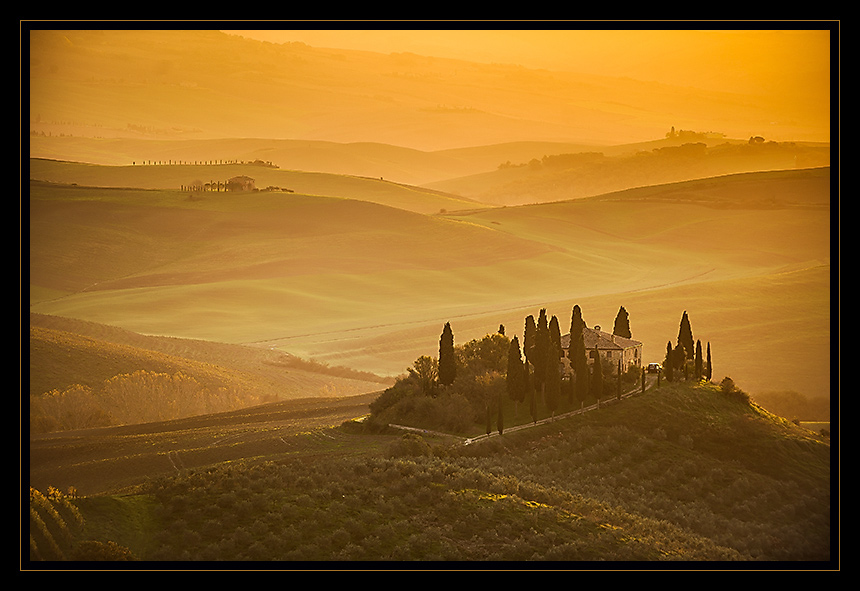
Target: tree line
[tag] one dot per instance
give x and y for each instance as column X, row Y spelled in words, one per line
column 686, row 357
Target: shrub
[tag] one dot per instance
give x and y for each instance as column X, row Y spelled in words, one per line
column 730, row 390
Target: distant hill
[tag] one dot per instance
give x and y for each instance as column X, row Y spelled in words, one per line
column 170, row 84
column 558, row 176
column 364, row 159
column 176, row 177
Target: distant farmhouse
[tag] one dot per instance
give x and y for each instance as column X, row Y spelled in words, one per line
column 240, row 183
column 237, row 183
column 610, row 347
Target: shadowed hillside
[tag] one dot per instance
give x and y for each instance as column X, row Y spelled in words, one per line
column 684, row 473
column 84, row 375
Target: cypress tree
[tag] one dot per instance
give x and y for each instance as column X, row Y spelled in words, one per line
column 622, row 324
column 529, row 337
column 529, row 388
column 685, row 336
column 597, row 376
column 669, row 362
column 576, row 326
column 709, row 370
column 532, row 394
column 515, row 378
column 447, row 361
column 555, row 337
column 552, row 385
column 580, row 365
column 542, row 351
column 699, row 362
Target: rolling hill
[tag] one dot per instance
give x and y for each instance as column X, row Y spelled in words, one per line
column 684, row 475
column 64, row 352
column 561, row 176
column 366, row 285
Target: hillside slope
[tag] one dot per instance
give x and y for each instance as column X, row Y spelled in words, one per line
column 180, row 177
column 369, row 286
column 686, row 474
column 558, row 176
column 65, row 352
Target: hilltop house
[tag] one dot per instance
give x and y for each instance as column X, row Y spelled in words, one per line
column 240, row 183
column 610, row 347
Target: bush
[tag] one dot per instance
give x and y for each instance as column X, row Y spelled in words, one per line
column 409, row 444
column 730, row 390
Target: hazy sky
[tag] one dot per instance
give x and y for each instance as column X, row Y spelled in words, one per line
column 774, row 60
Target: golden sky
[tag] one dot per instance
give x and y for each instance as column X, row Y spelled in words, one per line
column 715, row 59
column 787, row 69
column 739, row 82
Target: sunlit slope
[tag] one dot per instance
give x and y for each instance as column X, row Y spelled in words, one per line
column 175, row 177
column 369, row 287
column 558, row 176
column 747, row 256
column 64, row 352
column 375, row 160
column 257, row 265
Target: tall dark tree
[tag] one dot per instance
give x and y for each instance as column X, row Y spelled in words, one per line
column 685, row 336
column 552, row 385
column 709, row 370
column 597, row 375
column 516, row 378
column 529, row 338
column 700, row 370
column 531, row 392
column 555, row 337
column 576, row 321
column 576, row 326
column 542, row 351
column 447, row 359
column 580, row 367
column 622, row 324
column 669, row 362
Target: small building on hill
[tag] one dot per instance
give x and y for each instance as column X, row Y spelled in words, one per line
column 610, row 347
column 240, row 183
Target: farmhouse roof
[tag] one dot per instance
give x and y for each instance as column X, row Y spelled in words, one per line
column 594, row 337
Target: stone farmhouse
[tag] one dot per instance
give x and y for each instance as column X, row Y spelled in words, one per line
column 240, row 183
column 610, row 347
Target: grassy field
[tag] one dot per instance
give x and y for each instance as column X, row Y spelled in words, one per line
column 369, row 286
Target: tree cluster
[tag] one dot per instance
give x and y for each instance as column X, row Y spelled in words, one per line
column 686, row 358
column 137, row 397
column 473, row 383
